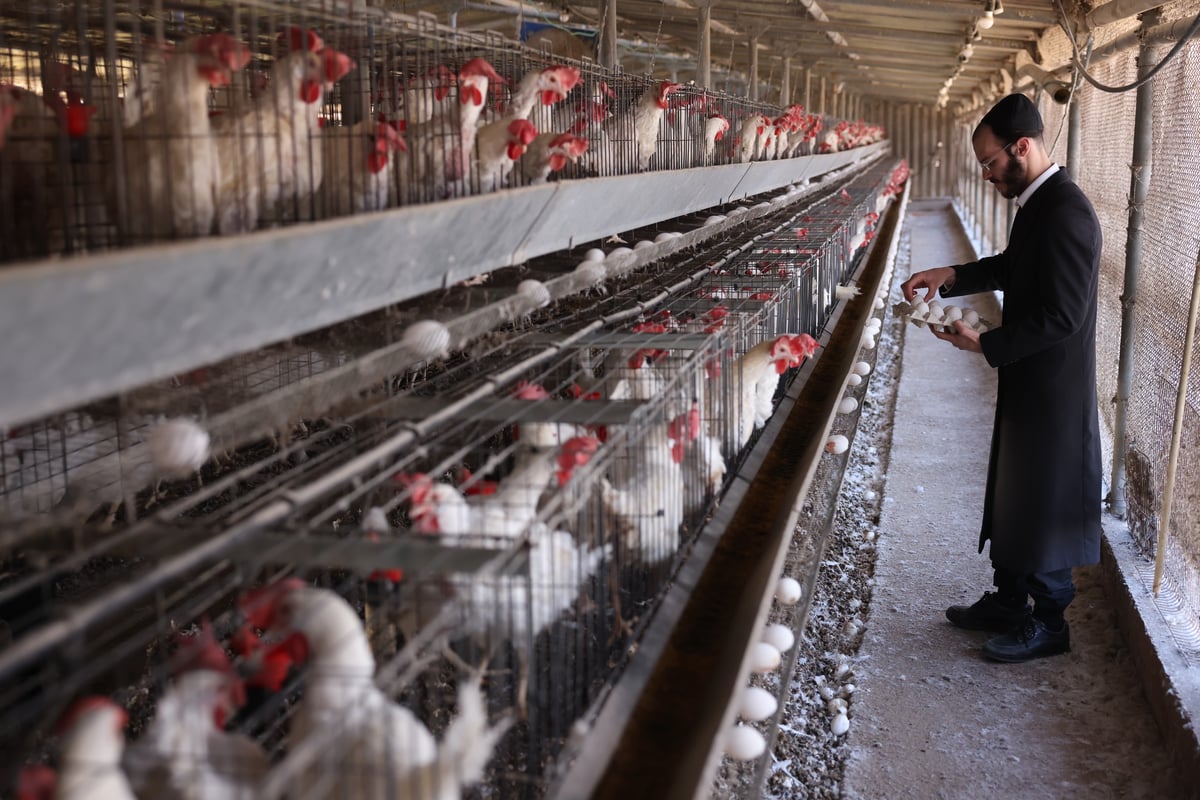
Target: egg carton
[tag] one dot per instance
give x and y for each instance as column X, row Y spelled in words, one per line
column 938, row 317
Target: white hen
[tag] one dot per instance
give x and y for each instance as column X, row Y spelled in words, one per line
column 90, row 760
column 375, row 747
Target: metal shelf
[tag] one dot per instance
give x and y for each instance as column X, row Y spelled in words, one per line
column 81, row 329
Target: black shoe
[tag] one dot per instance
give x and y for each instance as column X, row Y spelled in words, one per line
column 1031, row 639
column 987, row 614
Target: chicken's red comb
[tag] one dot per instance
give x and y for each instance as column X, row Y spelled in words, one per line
column 480, row 67
column 198, row 652
column 526, row 390
column 574, row 146
column 36, row 782
column 298, row 38
column 387, row 137
column 336, row 64
column 85, row 706
column 575, row 452
column 259, row 606
column 418, row 484
column 522, row 131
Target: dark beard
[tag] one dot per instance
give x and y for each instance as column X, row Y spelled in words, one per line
column 1015, row 179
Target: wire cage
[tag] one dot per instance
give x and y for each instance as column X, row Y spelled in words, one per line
column 182, row 121
column 326, row 488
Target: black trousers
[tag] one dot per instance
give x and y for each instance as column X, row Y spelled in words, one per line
column 1052, row 591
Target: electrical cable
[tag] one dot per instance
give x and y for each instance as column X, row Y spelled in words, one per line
column 1082, row 69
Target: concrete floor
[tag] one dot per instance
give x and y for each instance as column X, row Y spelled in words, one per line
column 932, row 717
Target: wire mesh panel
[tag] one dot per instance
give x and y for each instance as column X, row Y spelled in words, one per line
column 486, row 534
column 217, row 119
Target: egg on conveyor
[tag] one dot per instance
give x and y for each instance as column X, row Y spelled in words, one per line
column 756, row 704
column 178, row 447
column 837, row 444
column 643, row 244
column 535, row 291
column 764, row 658
column 427, row 339
column 592, row 272
column 779, row 636
column 714, row 219
column 868, row 342
column 840, row 725
column 744, row 743
column 878, row 304
column 617, row 252
column 853, row 379
column 594, row 254
column 847, row 406
column 788, row 591
column 861, row 368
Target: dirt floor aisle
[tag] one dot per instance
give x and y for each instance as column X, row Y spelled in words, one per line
column 931, row 716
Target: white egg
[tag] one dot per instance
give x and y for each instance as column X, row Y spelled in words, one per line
column 738, row 210
column 427, row 339
column 756, row 704
column 842, row 670
column 953, row 313
column 920, row 308
column 744, row 743
column 836, row 705
column 861, row 368
column 840, row 724
column 847, row 689
column 868, row 342
column 853, row 380
column 619, row 252
column 535, row 291
column 869, row 495
column 763, row 206
column 643, row 244
column 779, row 636
column 970, row 316
column 714, row 219
column 663, row 237
column 837, row 444
column 878, row 304
column 594, row 254
column 935, row 308
column 875, row 324
column 375, row 520
column 788, row 591
column 764, row 658
column 178, row 447
column 592, row 272
column 847, row 406
column 827, row 692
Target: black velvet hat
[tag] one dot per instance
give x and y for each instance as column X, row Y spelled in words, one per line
column 1013, row 117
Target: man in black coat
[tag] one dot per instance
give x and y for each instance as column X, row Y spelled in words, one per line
column 1042, row 505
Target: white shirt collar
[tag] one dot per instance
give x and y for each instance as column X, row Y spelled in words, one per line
column 1038, row 181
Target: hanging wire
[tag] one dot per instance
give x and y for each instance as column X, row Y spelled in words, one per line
column 1076, row 82
column 1082, row 68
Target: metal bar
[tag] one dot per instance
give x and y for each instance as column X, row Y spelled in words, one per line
column 1139, row 189
column 324, row 550
column 85, row 328
column 704, row 51
column 1117, row 10
column 1164, row 518
column 593, row 412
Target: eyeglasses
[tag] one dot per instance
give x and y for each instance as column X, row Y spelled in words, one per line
column 986, row 166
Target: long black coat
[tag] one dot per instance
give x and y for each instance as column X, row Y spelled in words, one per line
column 1042, row 506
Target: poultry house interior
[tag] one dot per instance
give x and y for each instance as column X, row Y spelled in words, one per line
column 384, row 384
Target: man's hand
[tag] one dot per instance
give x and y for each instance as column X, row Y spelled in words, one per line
column 961, row 335
column 928, row 279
